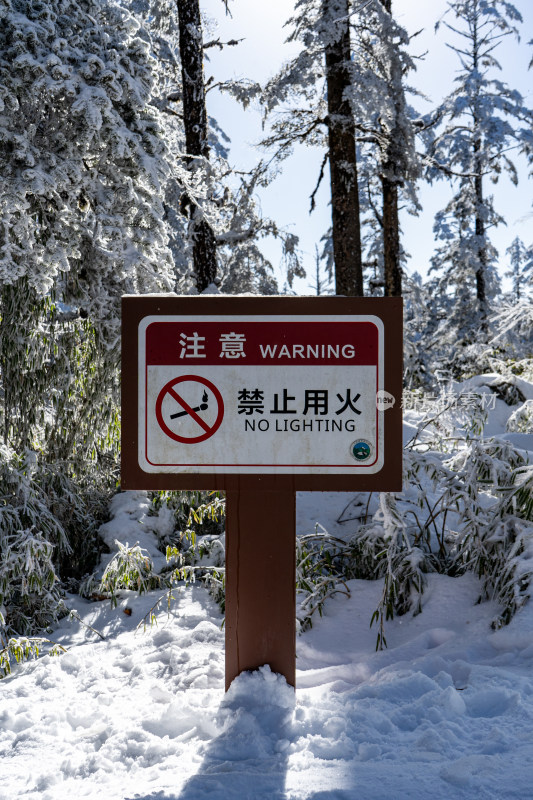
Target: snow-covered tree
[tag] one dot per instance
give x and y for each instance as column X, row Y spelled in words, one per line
column 374, row 122
column 518, row 258
column 82, row 222
column 310, row 99
column 196, row 135
column 333, row 30
column 384, row 119
column 213, row 218
column 81, row 156
column 480, row 125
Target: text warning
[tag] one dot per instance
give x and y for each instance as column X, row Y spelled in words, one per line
column 273, row 394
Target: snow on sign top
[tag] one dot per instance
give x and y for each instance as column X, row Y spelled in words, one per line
column 241, row 386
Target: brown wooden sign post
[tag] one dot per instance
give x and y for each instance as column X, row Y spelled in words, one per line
column 261, row 397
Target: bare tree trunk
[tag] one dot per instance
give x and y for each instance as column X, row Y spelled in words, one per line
column 391, row 222
column 196, row 142
column 481, row 270
column 391, row 239
column 481, row 291
column 342, row 154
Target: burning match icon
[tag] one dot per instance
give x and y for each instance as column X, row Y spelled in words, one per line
column 202, row 407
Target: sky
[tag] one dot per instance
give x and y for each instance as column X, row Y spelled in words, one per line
column 286, row 200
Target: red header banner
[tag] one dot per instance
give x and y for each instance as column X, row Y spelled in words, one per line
column 282, row 343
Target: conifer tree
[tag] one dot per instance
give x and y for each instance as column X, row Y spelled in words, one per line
column 213, row 218
column 385, row 121
column 196, row 135
column 369, row 77
column 480, row 120
column 334, row 29
column 518, row 257
column 83, row 166
column 315, row 86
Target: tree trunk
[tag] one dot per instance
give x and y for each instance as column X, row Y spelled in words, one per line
column 196, row 141
column 342, row 153
column 481, row 245
column 391, row 239
column 481, row 291
column 391, row 222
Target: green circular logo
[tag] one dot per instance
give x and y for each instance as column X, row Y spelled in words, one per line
column 361, row 450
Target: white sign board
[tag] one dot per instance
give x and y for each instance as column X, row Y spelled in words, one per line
column 271, row 394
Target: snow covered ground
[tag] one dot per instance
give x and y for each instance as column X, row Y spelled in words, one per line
column 445, row 712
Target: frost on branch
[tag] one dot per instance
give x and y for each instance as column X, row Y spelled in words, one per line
column 80, row 156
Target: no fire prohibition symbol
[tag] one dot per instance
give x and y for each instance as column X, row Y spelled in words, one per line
column 176, row 390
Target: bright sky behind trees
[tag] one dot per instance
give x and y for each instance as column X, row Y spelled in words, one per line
column 287, row 199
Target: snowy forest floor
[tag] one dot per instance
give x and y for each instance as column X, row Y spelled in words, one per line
column 446, row 711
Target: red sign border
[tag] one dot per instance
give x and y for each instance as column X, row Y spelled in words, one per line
column 137, row 307
column 355, row 468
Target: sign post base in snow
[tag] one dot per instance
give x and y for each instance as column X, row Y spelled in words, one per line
column 261, row 397
column 260, row 582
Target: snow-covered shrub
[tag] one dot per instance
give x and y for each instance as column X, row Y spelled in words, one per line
column 521, row 420
column 447, row 418
column 191, row 554
column 198, row 552
column 31, row 537
column 497, row 542
column 380, row 549
column 24, row 649
column 387, row 548
column 478, row 513
column 42, row 512
column 80, row 504
column 195, row 513
column 323, row 564
column 130, row 568
column 467, row 504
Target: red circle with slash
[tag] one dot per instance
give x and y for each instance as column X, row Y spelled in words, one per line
column 209, row 430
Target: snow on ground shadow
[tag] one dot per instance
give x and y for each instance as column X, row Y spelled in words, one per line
column 446, row 711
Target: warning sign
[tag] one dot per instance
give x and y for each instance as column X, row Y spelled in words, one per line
column 260, row 397
column 273, row 394
column 254, row 386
